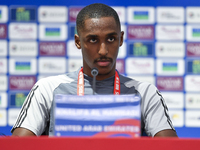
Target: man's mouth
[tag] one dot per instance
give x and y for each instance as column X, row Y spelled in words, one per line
column 103, row 62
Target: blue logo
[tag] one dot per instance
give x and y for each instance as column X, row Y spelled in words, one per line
column 22, row 65
column 52, row 31
column 196, row 32
column 170, row 66
column 141, row 15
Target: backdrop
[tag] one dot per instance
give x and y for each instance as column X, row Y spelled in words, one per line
column 161, row 46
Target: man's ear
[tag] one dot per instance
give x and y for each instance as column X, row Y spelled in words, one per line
column 122, row 38
column 77, row 41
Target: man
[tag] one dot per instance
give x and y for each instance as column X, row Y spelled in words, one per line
column 99, row 37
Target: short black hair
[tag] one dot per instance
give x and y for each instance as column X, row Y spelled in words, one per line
column 96, row 10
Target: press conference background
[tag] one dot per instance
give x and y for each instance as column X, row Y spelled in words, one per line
column 165, row 52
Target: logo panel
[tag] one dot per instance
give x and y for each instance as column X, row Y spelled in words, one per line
column 170, row 15
column 192, row 100
column 22, row 66
column 74, row 64
column 3, row 65
column 193, row 14
column 12, row 115
column 141, row 49
column 170, row 66
column 140, row 66
column 177, row 117
column 23, row 48
column 192, row 83
column 17, row 99
column 53, row 32
column 120, row 65
column 3, row 31
column 3, row 99
column 52, row 48
column 25, row 31
column 21, row 82
column 52, row 14
column 3, row 83
column 141, row 15
column 73, row 12
column 72, row 50
column 145, row 78
column 170, row 32
column 121, row 11
column 3, row 14
column 170, row 83
column 174, row 99
column 3, row 117
column 25, row 14
column 3, row 48
column 169, row 49
column 193, row 33
column 193, row 49
column 192, row 118
column 141, row 32
column 193, row 66
column 52, row 65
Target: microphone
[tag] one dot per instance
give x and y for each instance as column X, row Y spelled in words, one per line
column 94, row 73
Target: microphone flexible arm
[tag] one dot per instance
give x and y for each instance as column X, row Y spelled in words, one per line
column 94, row 73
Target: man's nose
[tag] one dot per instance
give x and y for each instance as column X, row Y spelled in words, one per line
column 103, row 49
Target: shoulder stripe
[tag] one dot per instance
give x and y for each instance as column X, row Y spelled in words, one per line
column 24, row 109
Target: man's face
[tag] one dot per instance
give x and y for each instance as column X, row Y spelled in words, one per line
column 100, row 41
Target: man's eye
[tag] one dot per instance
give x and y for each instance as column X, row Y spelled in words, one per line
column 111, row 39
column 93, row 40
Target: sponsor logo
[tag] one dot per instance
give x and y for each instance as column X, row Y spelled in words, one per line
column 3, row 31
column 3, row 48
column 3, row 65
column 3, row 100
column 140, row 15
column 3, row 14
column 139, row 66
column 141, row 32
column 23, row 48
column 193, row 66
column 120, row 65
column 52, row 48
column 192, row 118
column 3, row 83
column 3, row 117
column 196, row 32
column 12, row 115
column 72, row 50
column 193, row 49
column 22, row 31
column 177, row 117
column 74, row 64
column 170, row 49
column 21, row 82
column 52, row 14
column 192, row 100
column 17, row 99
column 140, row 49
column 52, row 31
column 174, row 99
column 164, row 32
column 192, row 83
column 52, row 65
column 170, row 83
column 121, row 13
column 22, row 65
column 149, row 79
column 193, row 14
column 22, row 14
column 170, row 66
column 72, row 31
column 73, row 12
column 170, row 15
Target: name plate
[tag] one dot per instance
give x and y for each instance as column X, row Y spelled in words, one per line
column 97, row 116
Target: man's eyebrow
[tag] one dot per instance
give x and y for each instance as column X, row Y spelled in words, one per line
column 94, row 35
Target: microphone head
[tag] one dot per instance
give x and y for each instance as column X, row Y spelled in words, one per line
column 94, row 71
